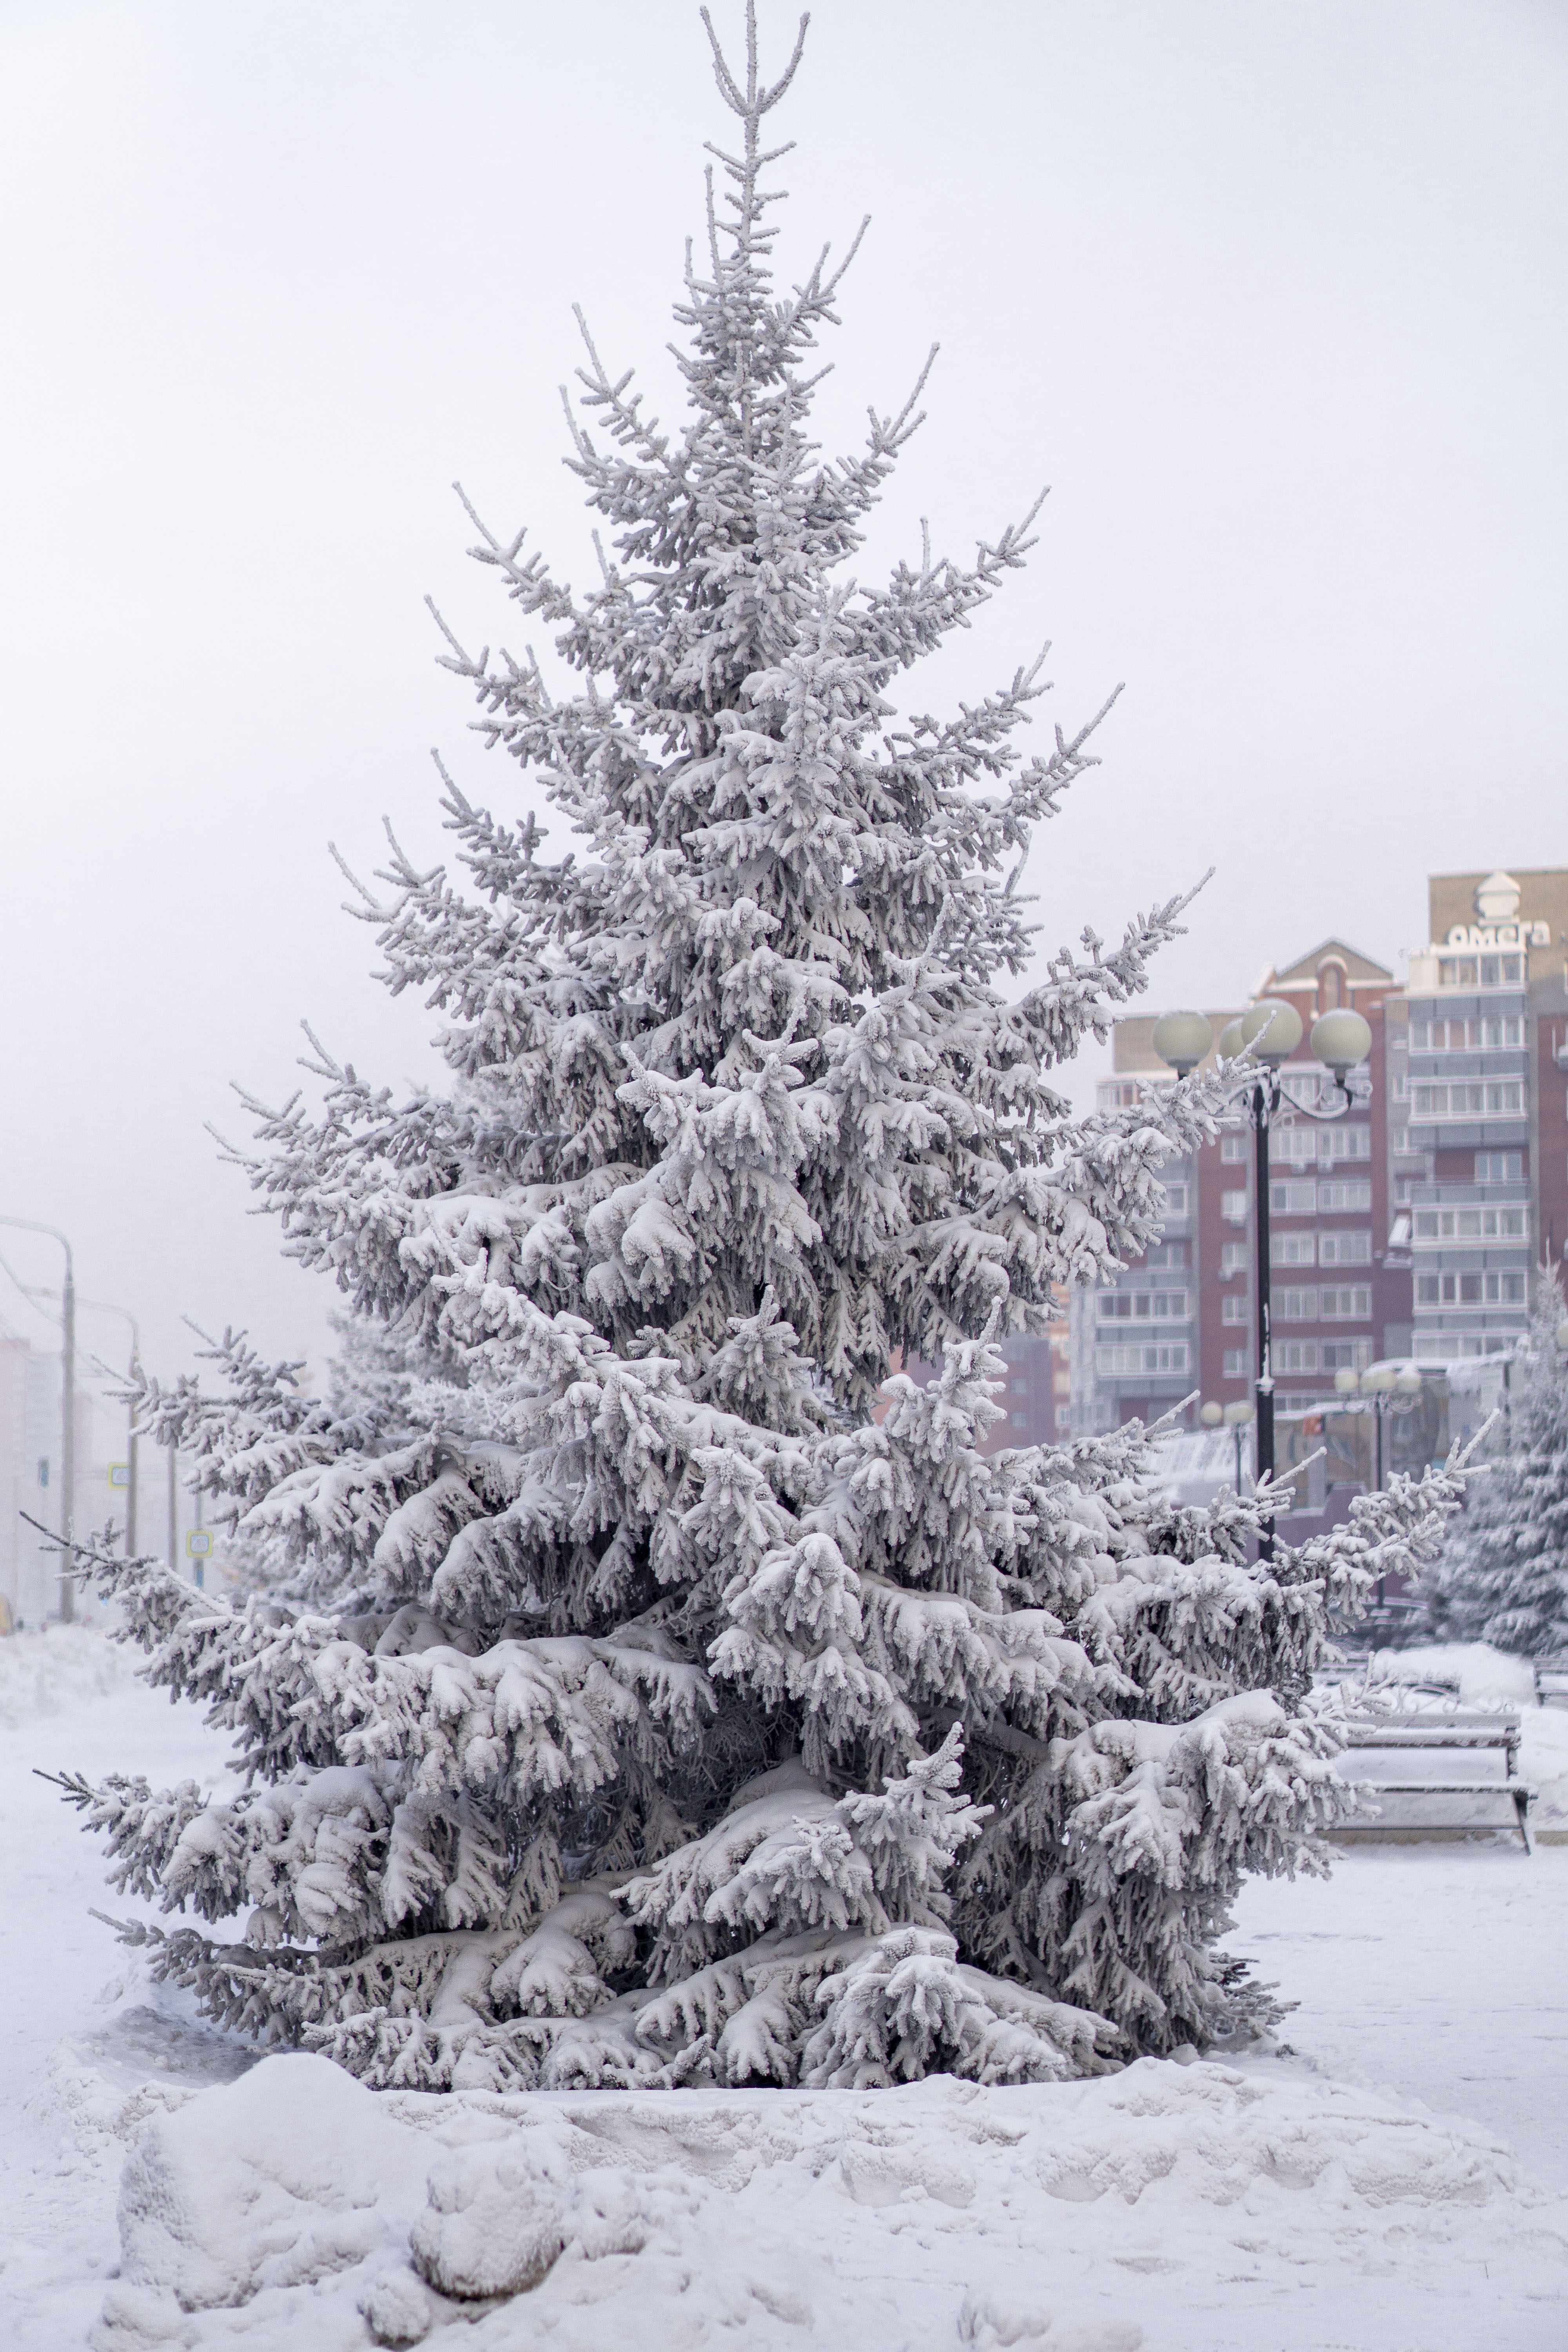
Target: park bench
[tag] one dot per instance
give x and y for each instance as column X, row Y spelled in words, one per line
column 1552, row 1681
column 1438, row 1733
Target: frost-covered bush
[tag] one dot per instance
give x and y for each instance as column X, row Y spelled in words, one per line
column 668, row 1689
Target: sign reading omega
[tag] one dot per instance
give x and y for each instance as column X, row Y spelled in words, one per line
column 1498, row 910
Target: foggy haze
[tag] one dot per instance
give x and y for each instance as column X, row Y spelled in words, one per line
column 1271, row 295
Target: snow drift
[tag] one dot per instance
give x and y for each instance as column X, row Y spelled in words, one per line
column 1062, row 2218
column 48, row 1672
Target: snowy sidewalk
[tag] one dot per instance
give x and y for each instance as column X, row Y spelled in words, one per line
column 1336, row 2198
column 1436, row 1972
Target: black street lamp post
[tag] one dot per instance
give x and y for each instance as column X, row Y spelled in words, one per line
column 1266, row 1034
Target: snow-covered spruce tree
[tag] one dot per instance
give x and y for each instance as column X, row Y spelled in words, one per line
column 377, row 1398
column 663, row 1715
column 1502, row 1574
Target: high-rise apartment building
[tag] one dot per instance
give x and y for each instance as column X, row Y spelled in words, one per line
column 1478, row 1080
column 1417, row 1225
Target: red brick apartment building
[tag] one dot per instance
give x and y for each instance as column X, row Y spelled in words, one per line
column 1417, row 1224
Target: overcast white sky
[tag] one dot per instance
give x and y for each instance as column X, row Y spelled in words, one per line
column 1272, row 295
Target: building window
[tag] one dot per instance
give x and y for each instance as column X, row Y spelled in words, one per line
column 1292, row 1249
column 1346, row 1355
column 1469, row 1099
column 1495, row 1036
column 1233, row 1259
column 1234, row 1364
column 1118, row 1093
column 1480, row 971
column 1308, row 1146
column 1233, row 1150
column 1143, row 1305
column 1175, row 1200
column 1353, row 1194
column 1295, row 1305
column 1400, row 1089
column 1349, row 1302
column 1353, row 1248
column 1233, row 1208
column 1469, row 1224
column 1401, row 1141
column 1499, row 1167
column 1166, row 1253
column 1168, row 1356
column 1232, row 1307
column 1296, row 1355
column 1296, row 1198
column 1503, row 1288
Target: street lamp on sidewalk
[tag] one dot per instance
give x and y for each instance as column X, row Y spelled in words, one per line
column 1387, row 1389
column 1233, row 1417
column 67, row 1409
column 1266, row 1034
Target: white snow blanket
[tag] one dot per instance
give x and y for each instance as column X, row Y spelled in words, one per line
column 1279, row 2205
column 1167, row 2206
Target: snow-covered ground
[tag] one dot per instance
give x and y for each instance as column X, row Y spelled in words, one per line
column 1397, row 2181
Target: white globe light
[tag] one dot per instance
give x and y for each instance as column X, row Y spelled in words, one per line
column 1231, row 1040
column 1347, row 1380
column 1182, row 1039
column 1379, row 1378
column 1237, row 1415
column 1341, row 1040
column 1408, row 1382
column 1273, row 1028
column 1211, row 1415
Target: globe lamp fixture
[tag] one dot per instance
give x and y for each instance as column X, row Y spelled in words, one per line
column 1231, row 1040
column 1211, row 1415
column 1273, row 1029
column 1182, row 1039
column 1341, row 1040
column 1236, row 1416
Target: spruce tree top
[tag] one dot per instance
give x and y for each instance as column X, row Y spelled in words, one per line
column 745, row 1041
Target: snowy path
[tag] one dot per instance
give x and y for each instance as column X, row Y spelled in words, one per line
column 1285, row 2206
column 1436, row 1972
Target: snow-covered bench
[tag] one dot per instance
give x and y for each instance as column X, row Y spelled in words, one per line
column 1437, row 1735
column 1552, row 1681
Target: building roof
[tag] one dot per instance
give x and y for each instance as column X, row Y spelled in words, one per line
column 1303, row 973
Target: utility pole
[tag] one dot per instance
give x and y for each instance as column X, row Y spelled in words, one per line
column 67, row 1409
column 103, row 1306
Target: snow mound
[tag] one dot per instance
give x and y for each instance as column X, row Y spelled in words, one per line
column 296, row 2206
column 48, row 1672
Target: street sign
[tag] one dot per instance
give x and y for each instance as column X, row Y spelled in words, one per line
column 120, row 1474
column 199, row 1543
